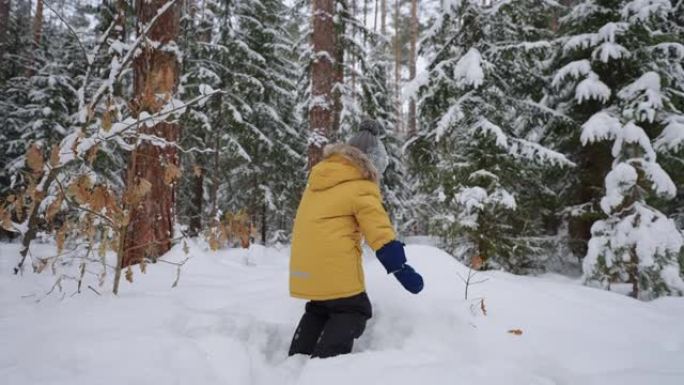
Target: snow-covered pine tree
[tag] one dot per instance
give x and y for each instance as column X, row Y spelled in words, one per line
column 200, row 29
column 39, row 96
column 257, row 163
column 476, row 155
column 617, row 60
column 670, row 143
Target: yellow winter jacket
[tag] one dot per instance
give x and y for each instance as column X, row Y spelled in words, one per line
column 341, row 202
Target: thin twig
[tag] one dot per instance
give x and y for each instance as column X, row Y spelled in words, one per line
column 93, row 289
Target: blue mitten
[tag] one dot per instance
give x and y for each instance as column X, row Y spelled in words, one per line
column 392, row 256
column 409, row 279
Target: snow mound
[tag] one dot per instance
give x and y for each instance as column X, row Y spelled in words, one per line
column 230, row 320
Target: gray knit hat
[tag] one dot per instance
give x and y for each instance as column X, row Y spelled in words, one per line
column 367, row 141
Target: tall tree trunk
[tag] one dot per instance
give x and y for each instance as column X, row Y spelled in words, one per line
column 195, row 225
column 633, row 272
column 37, row 32
column 5, row 6
column 592, row 167
column 201, row 161
column 365, row 16
column 397, row 65
column 217, row 162
column 383, row 17
column 340, row 30
column 155, row 79
column 353, row 66
column 323, row 77
column 38, row 23
column 264, row 223
column 120, row 32
column 412, row 65
column 375, row 17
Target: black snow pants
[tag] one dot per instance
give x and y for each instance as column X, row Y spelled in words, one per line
column 328, row 328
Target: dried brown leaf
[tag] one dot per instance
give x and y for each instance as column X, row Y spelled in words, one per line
column 102, row 249
column 60, row 238
column 40, row 265
column 91, row 155
column 137, row 192
column 197, row 170
column 476, row 262
column 516, row 332
column 54, row 156
column 483, row 307
column 19, row 206
column 98, row 199
column 171, row 173
column 34, row 159
column 107, row 121
column 80, row 189
column 213, row 241
column 6, row 219
column 54, row 208
column 144, row 187
column 129, row 274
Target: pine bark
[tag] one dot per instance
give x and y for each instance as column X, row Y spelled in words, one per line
column 365, row 14
column 38, row 23
column 340, row 30
column 353, row 66
column 412, row 65
column 593, row 165
column 375, row 17
column 397, row 65
column 5, row 6
column 195, row 225
column 323, row 77
column 383, row 17
column 197, row 203
column 155, row 79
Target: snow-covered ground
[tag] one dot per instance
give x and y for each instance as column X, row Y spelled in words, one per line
column 230, row 321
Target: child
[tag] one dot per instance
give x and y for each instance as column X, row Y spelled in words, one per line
column 341, row 203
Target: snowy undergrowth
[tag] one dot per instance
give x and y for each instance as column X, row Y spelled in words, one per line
column 230, row 321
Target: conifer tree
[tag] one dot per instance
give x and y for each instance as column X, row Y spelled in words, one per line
column 477, row 156
column 615, row 79
column 255, row 158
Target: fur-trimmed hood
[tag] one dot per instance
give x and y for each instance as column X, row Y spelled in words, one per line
column 342, row 163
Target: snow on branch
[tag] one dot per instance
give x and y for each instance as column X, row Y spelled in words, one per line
column 631, row 134
column 642, row 10
column 468, row 70
column 601, row 126
column 521, row 148
column 454, row 113
column 575, row 69
column 644, row 97
column 607, row 33
column 646, row 231
column 476, row 199
column 592, row 88
column 609, row 51
column 662, row 184
column 619, row 181
column 672, row 137
column 674, row 49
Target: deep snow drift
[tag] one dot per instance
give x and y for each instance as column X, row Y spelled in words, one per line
column 230, row 321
